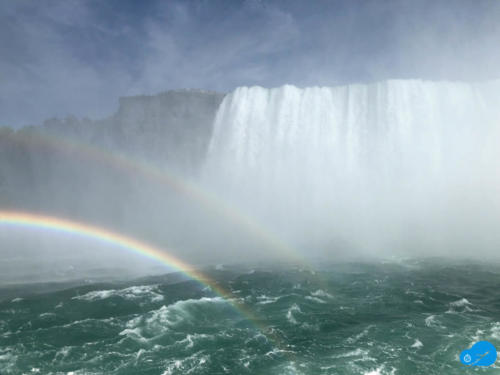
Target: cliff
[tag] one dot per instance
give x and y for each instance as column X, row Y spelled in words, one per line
column 99, row 170
column 170, row 129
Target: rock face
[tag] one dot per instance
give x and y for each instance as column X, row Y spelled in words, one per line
column 174, row 127
column 169, row 129
column 100, row 171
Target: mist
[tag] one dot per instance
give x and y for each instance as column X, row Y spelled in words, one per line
column 402, row 167
column 249, row 186
column 365, row 129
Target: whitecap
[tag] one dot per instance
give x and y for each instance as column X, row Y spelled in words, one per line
column 8, row 360
column 159, row 321
column 353, row 353
column 495, row 330
column 191, row 364
column 381, row 371
column 315, row 299
column 62, row 353
column 430, row 321
column 290, row 313
column 360, row 335
column 191, row 338
column 417, row 344
column 96, row 295
column 264, row 300
column 321, row 293
column 47, row 315
column 460, row 303
column 131, row 294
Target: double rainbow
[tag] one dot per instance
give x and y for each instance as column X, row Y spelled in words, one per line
column 134, row 167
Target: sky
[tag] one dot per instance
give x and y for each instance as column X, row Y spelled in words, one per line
column 78, row 56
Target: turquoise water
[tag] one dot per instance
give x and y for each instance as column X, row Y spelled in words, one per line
column 412, row 317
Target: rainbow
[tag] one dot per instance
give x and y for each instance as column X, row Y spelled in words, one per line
column 29, row 220
column 133, row 167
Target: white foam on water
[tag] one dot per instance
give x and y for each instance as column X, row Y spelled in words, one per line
column 192, row 364
column 62, row 353
column 431, row 321
column 160, row 321
column 190, row 339
column 132, row 293
column 315, row 299
column 417, row 344
column 478, row 336
column 8, row 360
column 291, row 369
column 495, row 331
column 363, row 353
column 47, row 315
column 294, row 309
column 134, row 334
column 460, row 306
column 360, row 335
column 381, row 371
column 264, row 300
column 321, row 293
column 460, row 303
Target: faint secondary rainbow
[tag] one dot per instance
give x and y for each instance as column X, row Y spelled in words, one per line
column 188, row 189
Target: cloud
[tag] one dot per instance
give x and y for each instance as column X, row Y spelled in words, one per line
column 77, row 57
column 218, row 54
column 42, row 75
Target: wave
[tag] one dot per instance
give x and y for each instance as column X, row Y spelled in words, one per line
column 290, row 314
column 359, row 336
column 430, row 321
column 460, row 303
column 264, row 300
column 463, row 303
column 315, row 299
column 131, row 294
column 417, row 344
column 321, row 293
column 190, row 339
column 381, row 371
column 191, row 364
column 157, row 322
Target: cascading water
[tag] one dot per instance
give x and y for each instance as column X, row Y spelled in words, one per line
column 396, row 163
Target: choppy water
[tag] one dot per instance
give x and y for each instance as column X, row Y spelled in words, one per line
column 411, row 317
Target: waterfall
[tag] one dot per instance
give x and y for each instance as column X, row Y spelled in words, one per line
column 368, row 163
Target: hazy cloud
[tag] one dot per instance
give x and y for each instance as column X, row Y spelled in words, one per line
column 62, row 57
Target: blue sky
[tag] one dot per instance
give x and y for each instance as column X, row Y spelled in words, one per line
column 78, row 56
